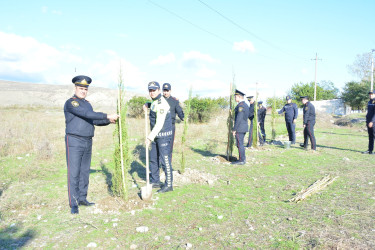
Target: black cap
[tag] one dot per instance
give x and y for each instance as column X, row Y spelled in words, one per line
column 153, row 85
column 288, row 98
column 250, row 97
column 260, row 102
column 166, row 86
column 82, row 81
column 237, row 92
column 304, row 97
column 371, row 92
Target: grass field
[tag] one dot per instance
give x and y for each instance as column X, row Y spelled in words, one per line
column 247, row 207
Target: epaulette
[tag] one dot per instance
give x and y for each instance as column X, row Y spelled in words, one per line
column 175, row 98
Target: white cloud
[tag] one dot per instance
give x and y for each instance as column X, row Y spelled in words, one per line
column 28, row 60
column 205, row 73
column 194, row 59
column 57, row 12
column 243, row 46
column 161, row 60
column 304, row 71
column 44, row 9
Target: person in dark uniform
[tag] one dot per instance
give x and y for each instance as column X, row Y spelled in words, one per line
column 291, row 114
column 251, row 118
column 308, row 123
column 175, row 108
column 370, row 120
column 160, row 138
column 240, row 125
column 261, row 118
column 80, row 120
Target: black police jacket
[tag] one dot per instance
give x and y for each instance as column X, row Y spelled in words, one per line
column 175, row 107
column 262, row 114
column 80, row 117
column 308, row 113
column 251, row 111
column 370, row 116
column 240, row 117
column 291, row 111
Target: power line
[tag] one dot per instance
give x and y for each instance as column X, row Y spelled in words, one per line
column 249, row 32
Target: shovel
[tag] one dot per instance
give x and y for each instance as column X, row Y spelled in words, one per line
column 146, row 192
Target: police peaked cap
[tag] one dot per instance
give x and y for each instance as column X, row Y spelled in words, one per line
column 82, row 81
column 260, row 102
column 288, row 98
column 237, row 92
column 153, row 85
column 304, row 97
column 250, row 97
column 167, row 86
column 371, row 92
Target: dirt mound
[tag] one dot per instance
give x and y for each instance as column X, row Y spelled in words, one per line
column 191, row 176
column 345, row 121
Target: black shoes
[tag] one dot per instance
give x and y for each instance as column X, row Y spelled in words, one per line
column 157, row 185
column 302, row 145
column 165, row 189
column 74, row 210
column 368, row 152
column 238, row 163
column 85, row 203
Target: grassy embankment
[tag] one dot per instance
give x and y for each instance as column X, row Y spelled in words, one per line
column 245, row 208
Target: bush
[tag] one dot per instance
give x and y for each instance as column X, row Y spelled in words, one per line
column 135, row 106
column 202, row 109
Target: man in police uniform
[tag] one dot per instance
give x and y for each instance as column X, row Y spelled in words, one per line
column 251, row 118
column 80, row 120
column 240, row 125
column 261, row 118
column 308, row 123
column 175, row 108
column 370, row 120
column 160, row 138
column 291, row 114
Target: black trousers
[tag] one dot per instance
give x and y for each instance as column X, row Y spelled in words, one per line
column 262, row 133
column 161, row 152
column 309, row 132
column 371, row 136
column 241, row 148
column 250, row 140
column 291, row 127
column 78, row 158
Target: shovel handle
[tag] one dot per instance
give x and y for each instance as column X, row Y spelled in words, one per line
column 147, row 161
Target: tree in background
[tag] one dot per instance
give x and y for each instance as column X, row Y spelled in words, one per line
column 356, row 94
column 280, row 101
column 324, row 91
column 121, row 155
column 184, row 133
column 361, row 66
column 135, row 105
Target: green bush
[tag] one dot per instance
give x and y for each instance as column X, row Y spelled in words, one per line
column 202, row 109
column 135, row 106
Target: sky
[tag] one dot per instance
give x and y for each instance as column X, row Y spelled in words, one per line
column 206, row 44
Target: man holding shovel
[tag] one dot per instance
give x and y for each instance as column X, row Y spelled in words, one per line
column 160, row 138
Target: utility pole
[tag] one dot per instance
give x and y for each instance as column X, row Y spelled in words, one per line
column 372, row 70
column 316, row 65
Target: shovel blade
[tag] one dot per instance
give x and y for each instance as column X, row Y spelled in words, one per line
column 146, row 192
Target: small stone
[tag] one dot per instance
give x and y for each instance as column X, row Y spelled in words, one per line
column 232, row 234
column 133, row 246
column 167, row 237
column 289, row 218
column 189, row 245
column 132, row 212
column 370, row 183
column 114, row 224
column 142, row 229
column 91, row 244
column 39, row 217
column 200, row 229
column 346, row 159
column 19, row 157
column 27, row 155
column 13, row 224
column 114, row 220
column 216, row 197
column 210, row 182
column 220, row 217
column 282, row 165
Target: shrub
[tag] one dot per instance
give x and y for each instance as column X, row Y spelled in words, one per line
column 202, row 109
column 135, row 106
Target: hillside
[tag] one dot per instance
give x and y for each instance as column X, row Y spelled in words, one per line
column 31, row 94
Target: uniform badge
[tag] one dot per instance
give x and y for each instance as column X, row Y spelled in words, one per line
column 240, row 109
column 159, row 101
column 162, row 111
column 373, row 102
column 306, row 108
column 75, row 103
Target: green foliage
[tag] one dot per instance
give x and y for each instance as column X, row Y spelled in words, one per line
column 121, row 168
column 230, row 121
column 355, row 94
column 324, row 91
column 202, row 109
column 280, row 102
column 135, row 105
column 184, row 133
column 273, row 120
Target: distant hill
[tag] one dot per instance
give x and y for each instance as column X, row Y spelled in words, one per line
column 23, row 94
